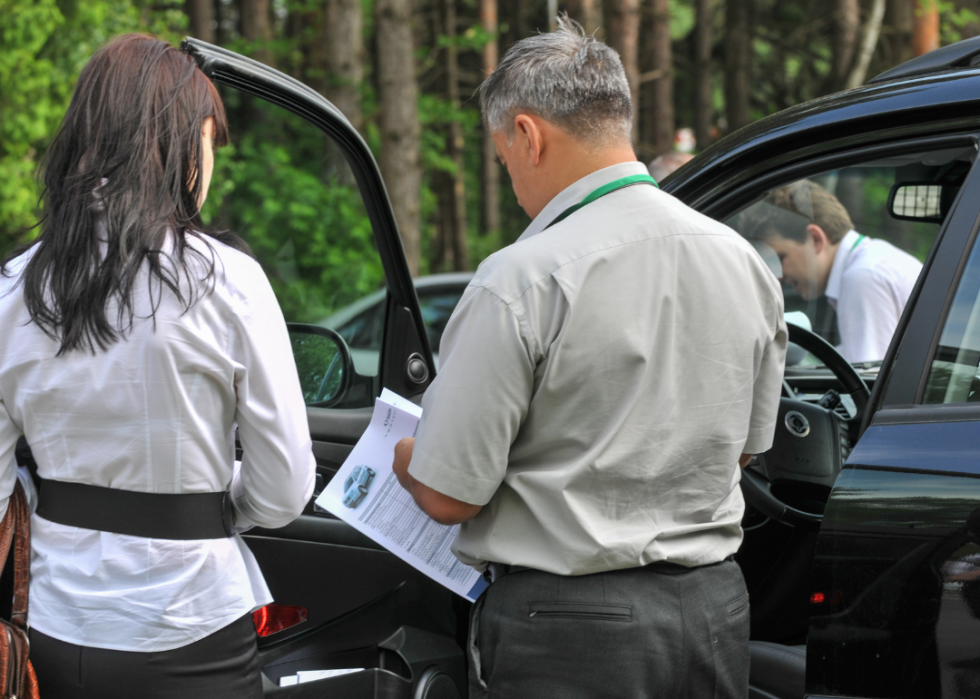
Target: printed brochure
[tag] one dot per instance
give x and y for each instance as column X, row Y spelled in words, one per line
column 366, row 494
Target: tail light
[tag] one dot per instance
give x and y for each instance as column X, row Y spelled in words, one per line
column 835, row 597
column 273, row 618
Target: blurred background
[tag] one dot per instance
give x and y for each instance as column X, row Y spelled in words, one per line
column 404, row 72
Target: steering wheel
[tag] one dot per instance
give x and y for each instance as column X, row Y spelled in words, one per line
column 811, row 440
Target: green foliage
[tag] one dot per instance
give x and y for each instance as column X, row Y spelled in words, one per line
column 319, row 366
column 292, row 198
column 45, row 45
column 682, row 18
column 953, row 20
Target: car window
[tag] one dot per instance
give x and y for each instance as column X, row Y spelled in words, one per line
column 954, row 376
column 437, row 306
column 847, row 252
column 365, row 330
column 288, row 191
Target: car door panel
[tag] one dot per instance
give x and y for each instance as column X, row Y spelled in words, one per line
column 898, row 611
column 881, row 622
column 895, row 527
column 366, row 608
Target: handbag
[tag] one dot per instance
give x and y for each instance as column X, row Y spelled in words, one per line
column 17, row 678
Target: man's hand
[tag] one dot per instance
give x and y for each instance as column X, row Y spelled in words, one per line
column 442, row 508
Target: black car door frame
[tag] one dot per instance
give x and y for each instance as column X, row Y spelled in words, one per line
column 834, row 667
column 886, row 634
column 405, row 338
column 367, row 608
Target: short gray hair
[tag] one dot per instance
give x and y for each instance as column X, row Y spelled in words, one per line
column 566, row 77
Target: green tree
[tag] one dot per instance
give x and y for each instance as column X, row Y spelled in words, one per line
column 45, row 45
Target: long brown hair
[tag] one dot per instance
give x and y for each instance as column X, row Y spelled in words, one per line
column 122, row 173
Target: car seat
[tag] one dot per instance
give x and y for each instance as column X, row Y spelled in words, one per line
column 776, row 671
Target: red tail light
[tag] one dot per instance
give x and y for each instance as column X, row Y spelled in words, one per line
column 273, row 618
column 817, row 598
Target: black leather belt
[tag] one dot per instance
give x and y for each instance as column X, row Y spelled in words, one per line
column 495, row 571
column 182, row 516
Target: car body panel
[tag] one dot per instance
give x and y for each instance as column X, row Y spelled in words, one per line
column 895, row 563
column 842, row 122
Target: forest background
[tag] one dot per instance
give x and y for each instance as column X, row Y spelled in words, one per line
column 404, row 72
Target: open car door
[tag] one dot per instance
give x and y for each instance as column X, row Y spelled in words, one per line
column 309, row 199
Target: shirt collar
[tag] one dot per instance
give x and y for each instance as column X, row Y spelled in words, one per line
column 579, row 190
column 841, row 257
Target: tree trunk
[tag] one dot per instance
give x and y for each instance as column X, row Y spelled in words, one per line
column 257, row 29
column 847, row 25
column 399, row 120
column 588, row 13
column 491, row 170
column 925, row 36
column 343, row 40
column 900, row 20
column 624, row 33
column 455, row 254
column 520, row 19
column 704, row 107
column 869, row 39
column 200, row 15
column 220, row 29
column 657, row 80
column 738, row 49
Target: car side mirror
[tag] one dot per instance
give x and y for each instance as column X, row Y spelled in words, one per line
column 921, row 201
column 323, row 363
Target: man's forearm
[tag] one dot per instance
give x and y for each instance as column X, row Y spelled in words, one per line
column 442, row 508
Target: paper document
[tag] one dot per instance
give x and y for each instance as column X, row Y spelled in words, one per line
column 366, row 495
column 304, row 676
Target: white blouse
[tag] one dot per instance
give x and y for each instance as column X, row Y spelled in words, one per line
column 156, row 412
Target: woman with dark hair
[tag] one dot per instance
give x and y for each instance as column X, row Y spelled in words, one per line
column 134, row 343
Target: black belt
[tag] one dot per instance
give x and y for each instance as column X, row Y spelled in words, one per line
column 495, row 571
column 183, row 516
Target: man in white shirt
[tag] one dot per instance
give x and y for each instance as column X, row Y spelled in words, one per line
column 867, row 281
column 600, row 382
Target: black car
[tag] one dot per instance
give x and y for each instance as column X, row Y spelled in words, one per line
column 862, row 546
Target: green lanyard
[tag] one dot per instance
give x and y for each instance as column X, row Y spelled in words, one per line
column 603, row 191
column 856, row 243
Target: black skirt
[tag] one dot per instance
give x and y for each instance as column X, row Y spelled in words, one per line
column 223, row 664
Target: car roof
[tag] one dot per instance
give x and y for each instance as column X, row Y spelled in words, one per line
column 919, row 98
column 446, row 279
column 962, row 54
column 428, row 282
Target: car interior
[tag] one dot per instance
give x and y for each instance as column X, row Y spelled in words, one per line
column 904, row 199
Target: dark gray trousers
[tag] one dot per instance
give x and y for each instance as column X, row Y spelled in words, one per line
column 658, row 631
column 223, row 664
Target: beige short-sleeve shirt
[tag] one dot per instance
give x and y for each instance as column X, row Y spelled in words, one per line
column 599, row 380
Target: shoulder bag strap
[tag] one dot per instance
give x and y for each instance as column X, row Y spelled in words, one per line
column 22, row 555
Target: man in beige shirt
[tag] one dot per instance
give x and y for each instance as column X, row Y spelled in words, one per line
column 601, row 381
